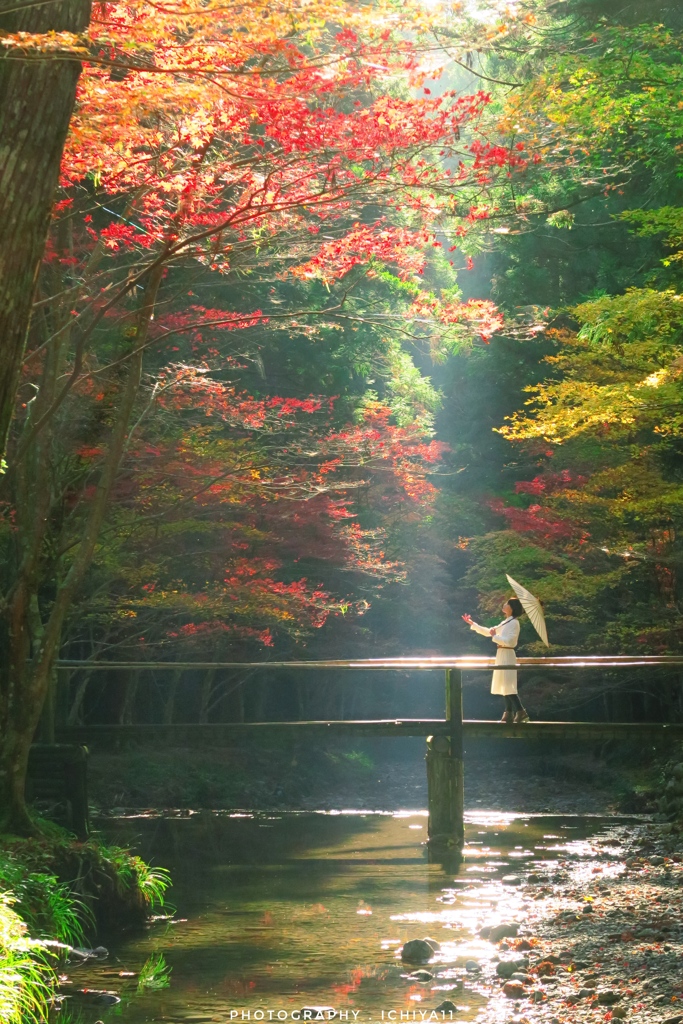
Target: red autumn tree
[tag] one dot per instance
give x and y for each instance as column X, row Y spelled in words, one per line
column 206, row 139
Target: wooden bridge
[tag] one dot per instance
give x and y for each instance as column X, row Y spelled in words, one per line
column 445, row 736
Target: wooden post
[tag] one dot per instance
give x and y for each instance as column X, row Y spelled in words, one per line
column 445, row 793
column 454, row 716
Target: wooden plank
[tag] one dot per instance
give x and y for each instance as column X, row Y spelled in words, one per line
column 574, row 731
column 468, row 663
column 221, row 733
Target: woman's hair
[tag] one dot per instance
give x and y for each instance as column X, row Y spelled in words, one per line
column 516, row 606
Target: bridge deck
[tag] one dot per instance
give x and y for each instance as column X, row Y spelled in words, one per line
column 218, row 734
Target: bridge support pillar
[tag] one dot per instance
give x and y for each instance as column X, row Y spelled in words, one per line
column 445, row 777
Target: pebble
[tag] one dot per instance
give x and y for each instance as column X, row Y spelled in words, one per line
column 607, row 996
column 472, row 965
column 511, row 880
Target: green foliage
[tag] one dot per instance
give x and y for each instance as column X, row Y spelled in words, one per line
column 358, row 760
column 584, row 503
column 134, row 873
column 621, row 371
column 154, row 974
column 46, row 905
column 24, row 976
column 37, row 903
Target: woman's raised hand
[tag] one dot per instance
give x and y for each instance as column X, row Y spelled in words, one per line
column 467, row 618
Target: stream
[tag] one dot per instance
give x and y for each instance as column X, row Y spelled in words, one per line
column 276, row 913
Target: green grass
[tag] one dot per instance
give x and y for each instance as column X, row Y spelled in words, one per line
column 131, row 870
column 25, row 976
column 46, row 905
column 154, row 974
column 50, row 886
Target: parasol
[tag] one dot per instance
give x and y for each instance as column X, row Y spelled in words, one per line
column 533, row 607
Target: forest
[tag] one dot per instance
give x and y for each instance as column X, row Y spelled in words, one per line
column 317, row 318
column 306, row 379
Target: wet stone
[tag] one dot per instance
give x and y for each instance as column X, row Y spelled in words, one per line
column 419, row 976
column 502, row 931
column 514, row 990
column 506, row 968
column 472, row 966
column 419, row 951
column 447, row 1006
column 511, row 880
column 98, row 996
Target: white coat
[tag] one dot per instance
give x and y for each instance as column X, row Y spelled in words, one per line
column 504, row 681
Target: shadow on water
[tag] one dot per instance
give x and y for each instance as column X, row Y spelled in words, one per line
column 278, row 912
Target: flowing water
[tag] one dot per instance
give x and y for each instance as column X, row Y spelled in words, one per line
column 279, row 912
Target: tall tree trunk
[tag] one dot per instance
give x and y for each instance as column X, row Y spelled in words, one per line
column 34, row 647
column 36, row 100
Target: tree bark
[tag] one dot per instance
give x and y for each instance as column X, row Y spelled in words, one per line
column 36, row 100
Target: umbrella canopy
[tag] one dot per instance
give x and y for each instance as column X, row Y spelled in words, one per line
column 533, row 607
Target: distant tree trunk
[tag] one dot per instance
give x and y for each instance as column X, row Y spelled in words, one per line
column 75, row 713
column 129, row 697
column 205, row 695
column 36, row 100
column 169, row 705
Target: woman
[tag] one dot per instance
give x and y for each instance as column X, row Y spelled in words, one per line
column 504, row 681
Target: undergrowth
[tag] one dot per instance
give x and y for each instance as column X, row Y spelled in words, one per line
column 54, row 887
column 25, row 976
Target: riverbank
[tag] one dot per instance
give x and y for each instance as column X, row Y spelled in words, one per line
column 600, row 943
column 58, row 897
column 388, row 775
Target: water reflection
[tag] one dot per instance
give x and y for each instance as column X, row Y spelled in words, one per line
column 281, row 912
